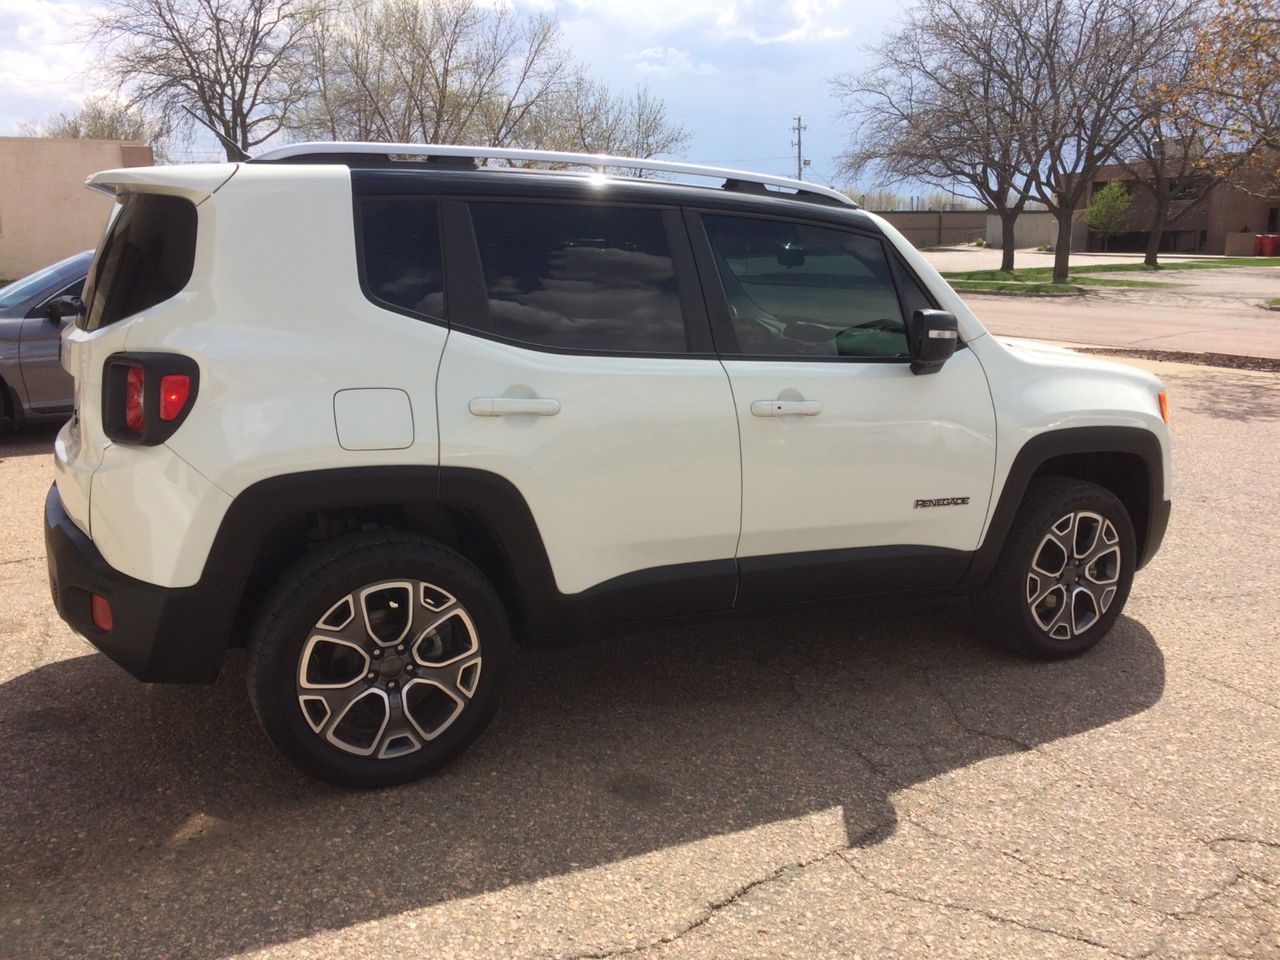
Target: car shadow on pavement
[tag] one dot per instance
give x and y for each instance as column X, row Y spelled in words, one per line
column 28, row 441
column 157, row 821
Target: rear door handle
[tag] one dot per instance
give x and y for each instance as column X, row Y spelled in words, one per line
column 507, row 406
column 785, row 408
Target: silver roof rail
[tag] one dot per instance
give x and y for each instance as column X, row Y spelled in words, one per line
column 598, row 161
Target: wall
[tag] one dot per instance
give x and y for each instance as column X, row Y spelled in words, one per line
column 1031, row 230
column 938, row 228
column 46, row 214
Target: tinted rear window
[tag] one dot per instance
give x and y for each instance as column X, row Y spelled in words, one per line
column 579, row 276
column 400, row 253
column 147, row 257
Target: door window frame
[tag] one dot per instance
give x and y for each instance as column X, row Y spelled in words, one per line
column 717, row 300
column 467, row 303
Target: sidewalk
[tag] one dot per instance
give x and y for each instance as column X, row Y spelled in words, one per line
column 1208, row 311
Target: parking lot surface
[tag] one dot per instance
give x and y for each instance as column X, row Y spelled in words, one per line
column 1211, row 311
column 860, row 780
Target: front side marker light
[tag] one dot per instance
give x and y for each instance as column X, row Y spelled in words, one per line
column 1164, row 406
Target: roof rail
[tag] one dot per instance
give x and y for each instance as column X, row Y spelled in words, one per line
column 734, row 179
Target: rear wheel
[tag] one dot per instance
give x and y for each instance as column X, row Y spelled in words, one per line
column 1064, row 574
column 378, row 659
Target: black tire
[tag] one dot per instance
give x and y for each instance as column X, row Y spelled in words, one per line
column 1004, row 604
column 326, row 584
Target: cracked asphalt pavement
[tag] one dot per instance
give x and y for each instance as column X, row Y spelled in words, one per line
column 860, row 780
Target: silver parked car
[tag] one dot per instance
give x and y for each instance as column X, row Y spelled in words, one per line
column 33, row 310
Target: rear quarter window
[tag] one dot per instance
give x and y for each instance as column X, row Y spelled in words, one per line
column 147, row 257
column 400, row 254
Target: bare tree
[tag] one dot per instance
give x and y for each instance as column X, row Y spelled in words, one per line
column 1168, row 151
column 591, row 118
column 236, row 63
column 459, row 71
column 1236, row 74
column 100, row 118
column 1092, row 55
column 948, row 103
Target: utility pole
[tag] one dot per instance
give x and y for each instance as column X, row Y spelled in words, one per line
column 798, row 143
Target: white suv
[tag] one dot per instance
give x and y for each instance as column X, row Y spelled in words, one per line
column 381, row 411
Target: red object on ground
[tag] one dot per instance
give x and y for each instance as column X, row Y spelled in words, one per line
column 1257, row 244
column 1271, row 245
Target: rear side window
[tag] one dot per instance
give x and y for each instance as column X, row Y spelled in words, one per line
column 579, row 277
column 400, row 253
column 146, row 258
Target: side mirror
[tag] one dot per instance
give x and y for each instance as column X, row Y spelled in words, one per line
column 933, row 335
column 60, row 307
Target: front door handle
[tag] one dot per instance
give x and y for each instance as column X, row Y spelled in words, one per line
column 785, row 408
column 508, row 406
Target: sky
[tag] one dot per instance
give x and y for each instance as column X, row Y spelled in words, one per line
column 735, row 73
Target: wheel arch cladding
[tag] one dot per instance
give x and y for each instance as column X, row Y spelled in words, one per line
column 274, row 522
column 1125, row 460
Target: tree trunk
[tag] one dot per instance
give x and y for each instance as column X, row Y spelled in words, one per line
column 1062, row 251
column 1008, row 221
column 1157, row 232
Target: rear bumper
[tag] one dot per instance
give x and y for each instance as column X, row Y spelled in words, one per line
column 159, row 634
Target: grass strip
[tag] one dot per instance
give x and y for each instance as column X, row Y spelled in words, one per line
column 1036, row 274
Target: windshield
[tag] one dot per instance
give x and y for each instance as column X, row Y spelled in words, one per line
column 29, row 286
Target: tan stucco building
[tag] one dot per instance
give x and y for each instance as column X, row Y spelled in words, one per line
column 46, row 214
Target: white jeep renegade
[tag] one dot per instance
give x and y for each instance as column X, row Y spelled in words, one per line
column 380, row 411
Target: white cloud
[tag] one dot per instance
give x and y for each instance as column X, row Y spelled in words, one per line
column 670, row 61
column 757, row 21
column 794, row 21
column 43, row 55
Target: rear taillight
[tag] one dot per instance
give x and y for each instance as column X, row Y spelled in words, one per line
column 134, row 395
column 146, row 396
column 174, row 390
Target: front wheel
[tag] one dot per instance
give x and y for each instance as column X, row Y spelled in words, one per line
column 1064, row 573
column 377, row 659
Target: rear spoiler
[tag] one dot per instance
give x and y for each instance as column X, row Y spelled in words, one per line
column 196, row 182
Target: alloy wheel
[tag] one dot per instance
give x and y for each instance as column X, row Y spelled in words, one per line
column 1074, row 574
column 388, row 668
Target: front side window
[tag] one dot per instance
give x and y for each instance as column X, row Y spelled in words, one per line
column 797, row 290
column 400, row 253
column 581, row 277
column 147, row 257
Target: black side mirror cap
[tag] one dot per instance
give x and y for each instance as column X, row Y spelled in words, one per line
column 60, row 307
column 933, row 335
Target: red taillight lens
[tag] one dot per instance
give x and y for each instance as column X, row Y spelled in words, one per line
column 146, row 396
column 101, row 610
column 133, row 397
column 174, row 390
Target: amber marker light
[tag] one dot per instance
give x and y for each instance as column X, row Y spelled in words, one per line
column 1164, row 406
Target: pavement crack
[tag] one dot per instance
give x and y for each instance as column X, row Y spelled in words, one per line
column 5, row 563
column 1244, row 693
column 1030, row 865
column 979, row 911
column 713, row 908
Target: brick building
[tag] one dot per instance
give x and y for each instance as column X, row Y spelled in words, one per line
column 1224, row 221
